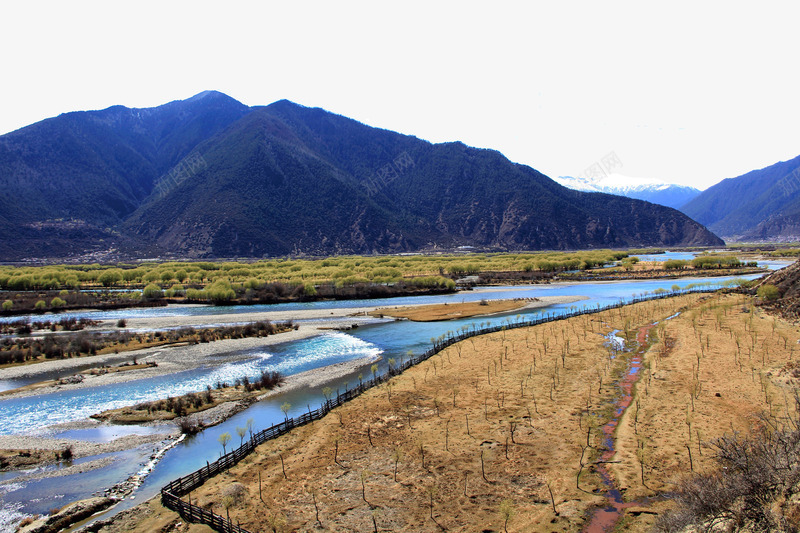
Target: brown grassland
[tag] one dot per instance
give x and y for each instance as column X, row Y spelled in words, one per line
column 432, row 313
column 492, row 433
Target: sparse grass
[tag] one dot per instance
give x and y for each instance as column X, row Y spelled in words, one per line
column 543, row 385
column 431, row 313
column 522, row 471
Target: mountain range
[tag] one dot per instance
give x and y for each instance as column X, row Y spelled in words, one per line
column 648, row 189
column 761, row 205
column 211, row 177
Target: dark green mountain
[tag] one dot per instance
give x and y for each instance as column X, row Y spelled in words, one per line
column 66, row 181
column 760, row 205
column 209, row 177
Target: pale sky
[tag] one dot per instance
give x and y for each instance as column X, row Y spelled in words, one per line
column 687, row 92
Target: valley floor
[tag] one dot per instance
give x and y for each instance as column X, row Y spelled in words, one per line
column 496, row 427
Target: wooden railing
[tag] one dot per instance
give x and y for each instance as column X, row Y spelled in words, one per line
column 171, row 493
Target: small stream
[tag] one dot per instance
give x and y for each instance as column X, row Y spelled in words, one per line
column 605, row 518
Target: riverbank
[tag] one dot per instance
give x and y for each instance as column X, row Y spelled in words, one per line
column 458, row 439
column 45, row 445
column 169, row 359
column 439, row 312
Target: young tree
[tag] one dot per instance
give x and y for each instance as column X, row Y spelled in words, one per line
column 506, row 511
column 285, row 408
column 327, row 392
column 224, row 439
column 227, row 503
column 397, row 456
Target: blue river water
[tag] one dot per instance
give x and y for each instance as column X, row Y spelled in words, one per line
column 384, row 338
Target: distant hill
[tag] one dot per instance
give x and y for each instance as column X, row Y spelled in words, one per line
column 760, row 205
column 648, row 189
column 210, row 177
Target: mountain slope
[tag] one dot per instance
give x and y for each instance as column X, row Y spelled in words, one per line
column 648, row 189
column 763, row 203
column 209, row 177
column 263, row 193
column 75, row 176
column 289, row 179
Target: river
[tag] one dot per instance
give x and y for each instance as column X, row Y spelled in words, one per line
column 387, row 338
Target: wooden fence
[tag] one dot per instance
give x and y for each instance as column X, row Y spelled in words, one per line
column 171, row 493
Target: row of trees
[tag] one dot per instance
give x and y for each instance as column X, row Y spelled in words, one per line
column 351, row 269
column 708, row 261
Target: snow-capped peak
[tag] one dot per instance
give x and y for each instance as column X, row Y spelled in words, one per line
column 650, row 189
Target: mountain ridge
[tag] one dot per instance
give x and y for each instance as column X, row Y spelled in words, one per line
column 648, row 189
column 210, row 177
column 758, row 204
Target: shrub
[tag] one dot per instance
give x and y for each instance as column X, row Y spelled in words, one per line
column 110, row 277
column 768, row 292
column 152, row 292
column 28, row 520
column 756, row 474
column 40, row 305
column 187, row 426
column 57, row 302
column 675, row 264
column 236, row 492
column 269, row 380
column 66, row 453
column 7, row 305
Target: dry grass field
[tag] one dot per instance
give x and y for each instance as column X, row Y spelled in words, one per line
column 432, row 313
column 505, row 431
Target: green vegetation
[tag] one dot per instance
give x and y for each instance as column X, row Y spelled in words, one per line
column 785, row 252
column 152, row 292
column 277, row 280
column 716, row 261
column 219, row 278
column 676, row 264
column 768, row 292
